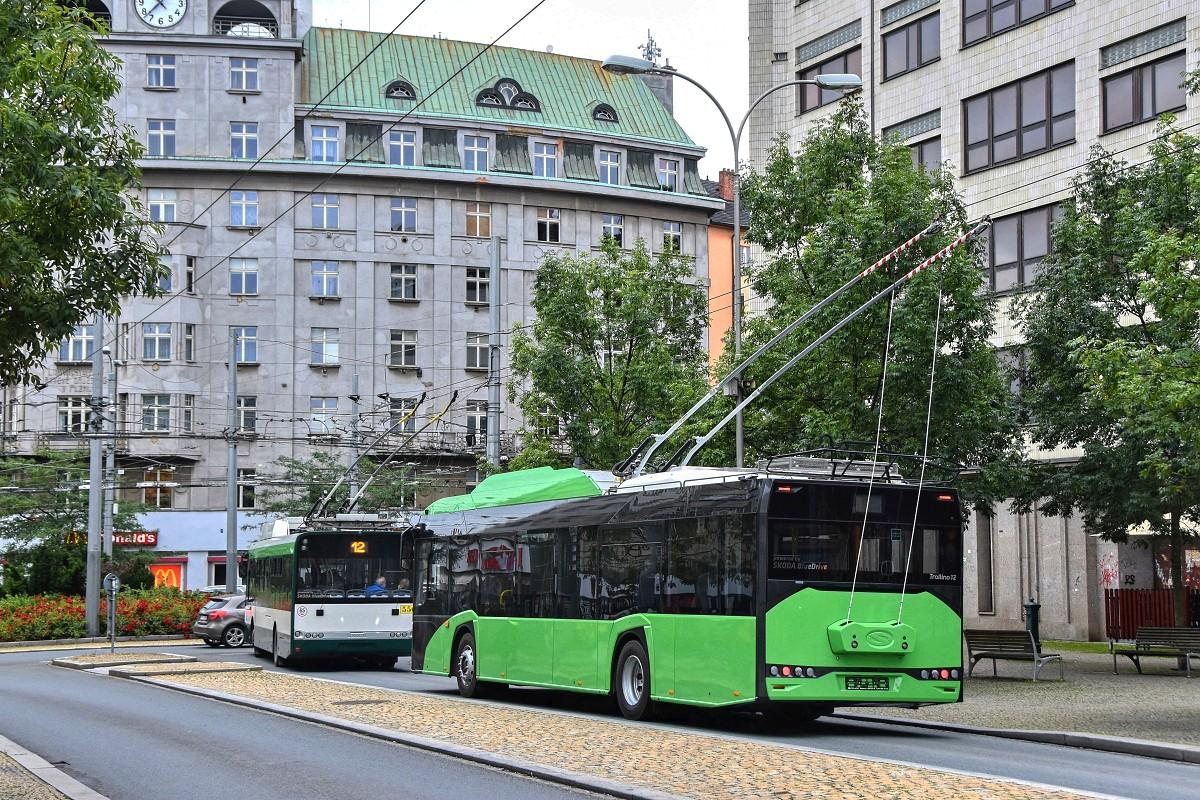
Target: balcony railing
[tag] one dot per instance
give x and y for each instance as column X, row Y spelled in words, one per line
column 444, row 442
column 246, row 27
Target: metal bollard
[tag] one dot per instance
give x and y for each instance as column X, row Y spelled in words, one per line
column 112, row 585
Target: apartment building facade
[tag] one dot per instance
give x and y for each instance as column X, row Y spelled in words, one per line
column 1011, row 95
column 329, row 223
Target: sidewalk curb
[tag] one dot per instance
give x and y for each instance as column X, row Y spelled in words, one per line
column 520, row 766
column 160, row 637
column 46, row 772
column 1088, row 741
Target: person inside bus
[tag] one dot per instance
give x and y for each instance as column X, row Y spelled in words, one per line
column 379, row 587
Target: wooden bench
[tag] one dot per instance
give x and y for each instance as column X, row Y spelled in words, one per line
column 1010, row 646
column 1181, row 643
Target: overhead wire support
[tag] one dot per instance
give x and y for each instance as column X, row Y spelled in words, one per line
column 655, row 441
column 700, row 441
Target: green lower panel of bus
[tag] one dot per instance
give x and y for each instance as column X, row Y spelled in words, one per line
column 351, row 647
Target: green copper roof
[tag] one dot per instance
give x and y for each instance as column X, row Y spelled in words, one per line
column 567, row 88
column 522, row 486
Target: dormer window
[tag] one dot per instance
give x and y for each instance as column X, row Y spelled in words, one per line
column 507, row 93
column 400, row 90
column 604, row 113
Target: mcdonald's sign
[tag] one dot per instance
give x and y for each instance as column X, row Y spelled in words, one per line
column 168, row 575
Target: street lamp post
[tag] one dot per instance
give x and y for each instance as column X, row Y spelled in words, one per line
column 629, row 65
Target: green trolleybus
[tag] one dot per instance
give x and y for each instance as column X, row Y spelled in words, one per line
column 811, row 584
column 336, row 592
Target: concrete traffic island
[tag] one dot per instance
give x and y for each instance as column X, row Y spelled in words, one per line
column 28, row 776
column 606, row 755
column 184, row 668
column 100, row 660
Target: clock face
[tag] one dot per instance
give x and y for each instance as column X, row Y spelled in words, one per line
column 161, row 13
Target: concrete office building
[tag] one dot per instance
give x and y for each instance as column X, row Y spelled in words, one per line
column 357, row 252
column 1011, row 95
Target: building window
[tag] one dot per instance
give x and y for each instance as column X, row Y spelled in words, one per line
column 404, row 214
column 403, row 349
column 604, row 113
column 325, row 211
column 246, row 481
column 672, row 241
column 477, row 351
column 322, row 413
column 984, row 18
column 324, row 346
column 1142, row 93
column 160, row 137
column 156, row 413
column 189, row 342
column 324, row 143
column 160, row 72
column 243, row 276
column 545, row 159
column 154, row 491
column 546, row 423
column 187, row 412
column 547, row 224
column 163, row 282
column 610, row 167
column 399, row 407
column 477, row 419
column 985, row 592
column 247, row 414
column 125, row 344
column 162, row 204
column 73, row 411
column 79, row 345
column 324, row 275
column 927, row 154
column 402, row 148
column 479, row 220
column 811, row 96
column 668, row 174
column 243, row 74
column 612, row 226
column 243, row 209
column 478, row 284
column 156, row 341
column 189, row 274
column 1020, row 119
column 400, row 90
column 243, row 140
column 404, row 282
column 246, row 338
column 912, row 46
column 475, row 153
column 1018, row 244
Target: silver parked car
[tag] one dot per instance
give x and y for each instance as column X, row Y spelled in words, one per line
column 222, row 621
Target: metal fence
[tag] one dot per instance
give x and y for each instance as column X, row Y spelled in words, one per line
column 1126, row 610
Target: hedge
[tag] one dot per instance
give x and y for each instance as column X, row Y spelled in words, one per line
column 140, row 612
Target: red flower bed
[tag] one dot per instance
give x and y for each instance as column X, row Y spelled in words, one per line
column 144, row 612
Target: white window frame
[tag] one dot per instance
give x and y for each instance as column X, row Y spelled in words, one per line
column 323, row 143
column 326, row 210
column 481, row 218
column 163, row 496
column 479, row 285
column 324, row 279
column 160, row 71
column 160, row 138
column 549, row 225
column 189, row 274
column 243, row 208
column 667, row 171
column 79, row 345
column 156, row 413
column 672, row 232
column 161, row 204
column 246, row 337
column 156, row 341
column 187, row 412
column 398, row 407
column 322, row 415
column 74, row 412
column 243, row 74
column 189, row 342
column 609, row 168
column 243, row 136
column 404, row 277
column 402, row 348
column 402, row 148
column 613, row 226
column 403, row 217
column 247, row 413
column 477, row 350
column 247, row 479
column 324, row 347
column 476, row 152
column 476, row 422
column 545, row 160
column 244, row 270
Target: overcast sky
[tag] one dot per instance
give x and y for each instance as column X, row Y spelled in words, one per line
column 707, row 39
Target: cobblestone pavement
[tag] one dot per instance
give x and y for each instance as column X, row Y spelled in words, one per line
column 18, row 783
column 685, row 764
column 1161, row 705
column 117, row 659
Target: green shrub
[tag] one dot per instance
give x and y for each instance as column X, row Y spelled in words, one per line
column 140, row 612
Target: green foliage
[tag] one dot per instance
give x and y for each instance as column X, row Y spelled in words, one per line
column 1113, row 359
column 140, row 612
column 615, row 352
column 72, row 243
column 294, row 485
column 824, row 213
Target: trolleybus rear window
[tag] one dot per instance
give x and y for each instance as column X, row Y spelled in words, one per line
column 350, row 566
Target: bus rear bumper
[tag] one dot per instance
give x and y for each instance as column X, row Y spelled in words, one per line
column 832, row 688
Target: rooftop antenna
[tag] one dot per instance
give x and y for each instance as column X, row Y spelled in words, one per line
column 650, row 50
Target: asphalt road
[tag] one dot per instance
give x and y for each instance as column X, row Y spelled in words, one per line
column 137, row 742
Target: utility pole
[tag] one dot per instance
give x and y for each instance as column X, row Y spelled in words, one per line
column 110, row 459
column 231, row 571
column 95, row 484
column 354, row 435
column 493, row 407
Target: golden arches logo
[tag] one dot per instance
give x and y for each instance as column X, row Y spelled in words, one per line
column 166, row 575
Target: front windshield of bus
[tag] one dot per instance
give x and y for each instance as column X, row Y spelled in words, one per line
column 348, row 566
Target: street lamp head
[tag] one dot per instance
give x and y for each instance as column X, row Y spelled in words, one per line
column 837, row 80
column 628, row 65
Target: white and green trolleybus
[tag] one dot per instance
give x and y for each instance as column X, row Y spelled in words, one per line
column 331, row 592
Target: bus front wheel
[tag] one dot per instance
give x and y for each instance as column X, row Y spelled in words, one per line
column 631, row 681
column 465, row 666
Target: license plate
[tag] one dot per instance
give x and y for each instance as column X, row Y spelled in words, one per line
column 871, row 683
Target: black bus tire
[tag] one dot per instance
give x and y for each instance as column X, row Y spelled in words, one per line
column 465, row 666
column 631, row 681
column 276, row 659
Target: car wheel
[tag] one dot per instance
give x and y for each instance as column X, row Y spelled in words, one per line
column 631, row 681
column 234, row 636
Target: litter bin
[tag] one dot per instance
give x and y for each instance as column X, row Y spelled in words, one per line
column 1032, row 617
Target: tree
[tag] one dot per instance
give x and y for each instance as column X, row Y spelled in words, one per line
column 1113, row 361
column 824, row 213
column 43, row 523
column 73, row 240
column 295, row 485
column 614, row 353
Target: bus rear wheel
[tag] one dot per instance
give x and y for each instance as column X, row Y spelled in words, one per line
column 276, row 658
column 631, row 681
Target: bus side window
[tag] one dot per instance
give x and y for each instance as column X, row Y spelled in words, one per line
column 630, row 569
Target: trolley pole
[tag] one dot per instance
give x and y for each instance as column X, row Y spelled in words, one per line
column 231, row 573
column 493, row 407
column 95, row 484
column 354, row 435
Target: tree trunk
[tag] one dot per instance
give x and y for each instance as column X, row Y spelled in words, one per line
column 1178, row 590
